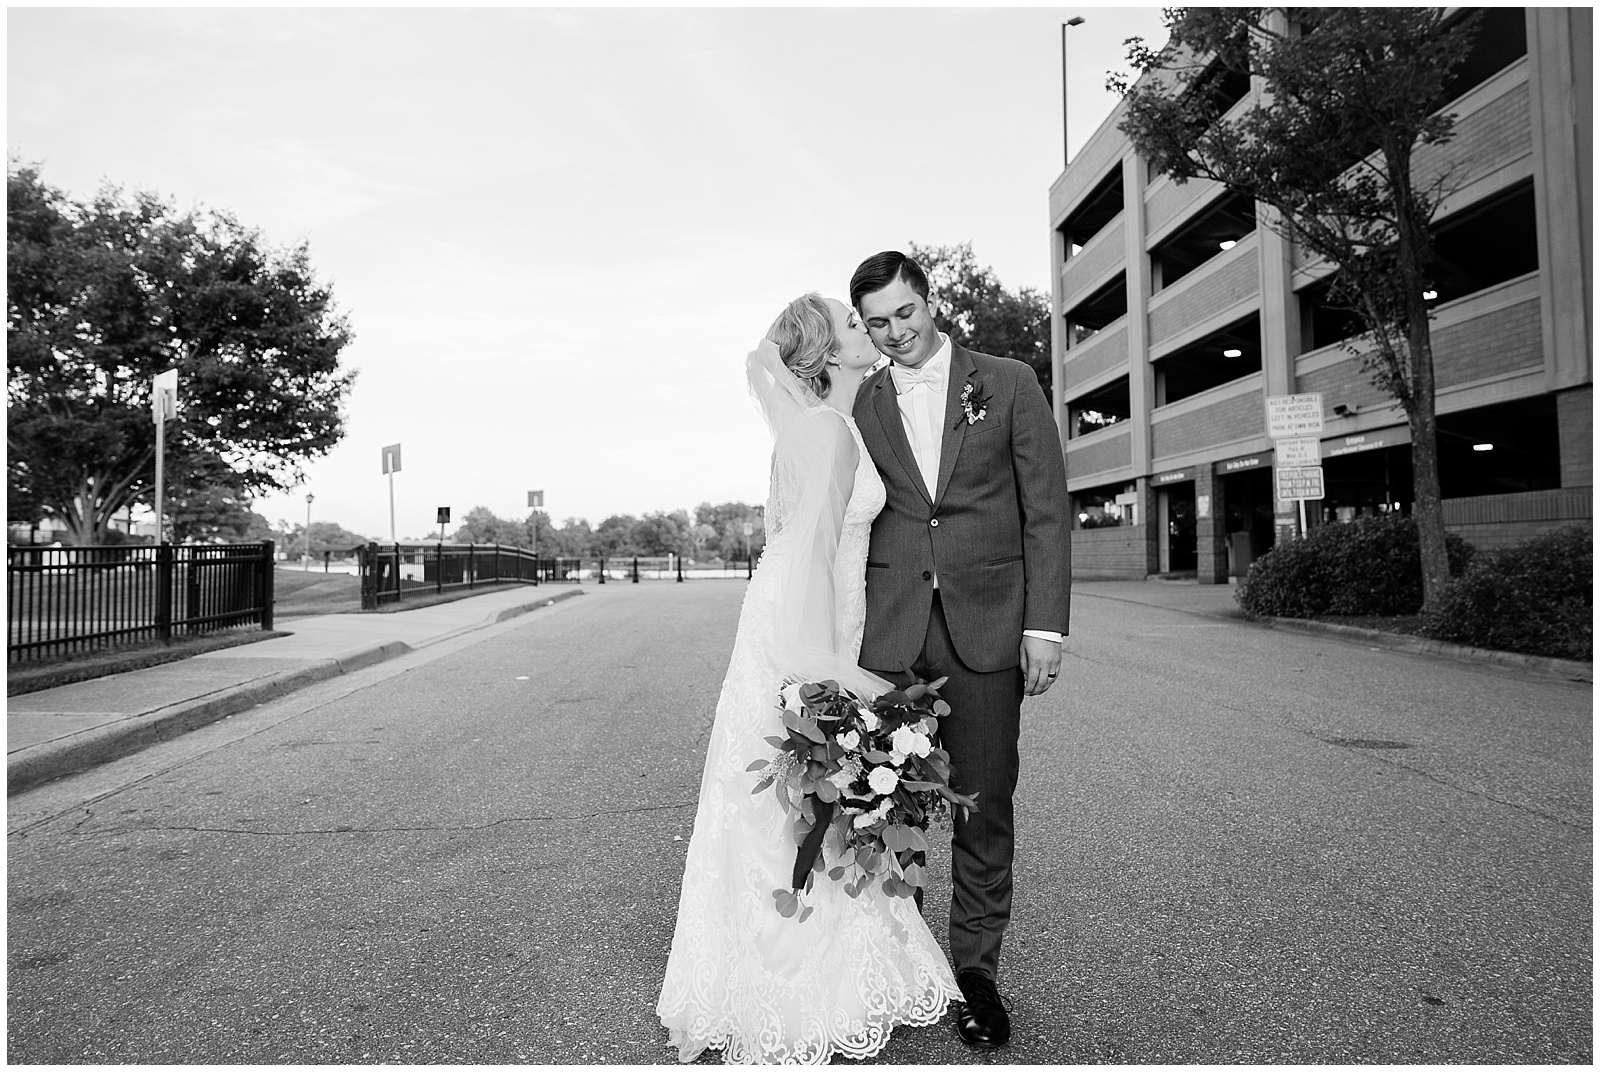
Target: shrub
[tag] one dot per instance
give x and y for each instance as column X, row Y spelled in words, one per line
column 1372, row 565
column 1535, row 596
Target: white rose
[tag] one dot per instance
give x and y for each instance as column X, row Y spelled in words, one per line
column 841, row 779
column 850, row 741
column 897, row 758
column 865, row 819
column 883, row 780
column 791, row 696
column 905, row 740
column 869, row 719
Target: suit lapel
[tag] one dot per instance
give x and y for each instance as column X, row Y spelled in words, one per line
column 886, row 406
column 955, row 420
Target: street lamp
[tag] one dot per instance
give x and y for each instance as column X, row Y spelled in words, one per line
column 1066, row 150
column 306, row 562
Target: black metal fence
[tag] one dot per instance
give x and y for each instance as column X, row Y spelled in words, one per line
column 391, row 571
column 72, row 600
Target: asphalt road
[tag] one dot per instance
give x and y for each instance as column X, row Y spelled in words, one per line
column 1235, row 845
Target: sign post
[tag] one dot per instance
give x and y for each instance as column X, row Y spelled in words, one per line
column 1294, row 422
column 535, row 502
column 163, row 407
column 391, row 466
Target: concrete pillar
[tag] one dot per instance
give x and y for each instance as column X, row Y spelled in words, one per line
column 1575, row 429
column 1561, row 99
column 1211, row 527
column 1149, row 524
column 1141, row 376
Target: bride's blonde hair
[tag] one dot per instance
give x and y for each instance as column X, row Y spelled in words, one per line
column 806, row 340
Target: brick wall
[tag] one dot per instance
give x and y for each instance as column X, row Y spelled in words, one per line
column 1503, row 340
column 1491, row 137
column 1083, row 272
column 1222, row 288
column 1495, row 342
column 1102, row 451
column 1172, row 200
column 1233, row 418
column 1488, row 521
column 1118, row 553
column 1093, row 356
column 1575, row 419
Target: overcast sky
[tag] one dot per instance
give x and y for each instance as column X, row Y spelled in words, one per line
column 557, row 232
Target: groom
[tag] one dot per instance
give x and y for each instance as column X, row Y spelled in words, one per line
column 968, row 577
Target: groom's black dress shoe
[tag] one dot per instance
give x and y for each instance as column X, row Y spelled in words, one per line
column 982, row 1021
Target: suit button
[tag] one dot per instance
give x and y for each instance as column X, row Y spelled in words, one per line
column 934, row 522
column 927, row 576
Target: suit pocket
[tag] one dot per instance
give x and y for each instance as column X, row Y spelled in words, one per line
column 880, row 565
column 981, row 427
column 1004, row 561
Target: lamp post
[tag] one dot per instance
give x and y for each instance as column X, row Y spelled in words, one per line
column 1066, row 149
column 305, row 563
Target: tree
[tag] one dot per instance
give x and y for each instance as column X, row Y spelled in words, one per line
column 976, row 311
column 102, row 296
column 663, row 533
column 727, row 521
column 614, row 536
column 1350, row 94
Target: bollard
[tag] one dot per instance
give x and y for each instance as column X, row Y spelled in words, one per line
column 749, row 568
column 680, row 569
column 635, row 569
column 602, row 571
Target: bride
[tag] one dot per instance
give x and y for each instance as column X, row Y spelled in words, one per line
column 742, row 978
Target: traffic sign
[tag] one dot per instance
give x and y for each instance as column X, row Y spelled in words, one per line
column 535, row 499
column 1299, row 451
column 164, row 396
column 444, row 515
column 1294, row 415
column 1304, row 482
column 391, row 459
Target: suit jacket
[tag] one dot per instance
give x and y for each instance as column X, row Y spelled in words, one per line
column 996, row 529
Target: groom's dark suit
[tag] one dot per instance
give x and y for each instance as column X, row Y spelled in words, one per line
column 994, row 533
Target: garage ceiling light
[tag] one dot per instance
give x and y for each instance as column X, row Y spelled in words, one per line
column 1233, row 353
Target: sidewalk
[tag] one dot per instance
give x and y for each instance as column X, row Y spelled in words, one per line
column 1216, row 601
column 61, row 730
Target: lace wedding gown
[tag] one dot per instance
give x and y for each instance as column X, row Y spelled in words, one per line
column 741, row 977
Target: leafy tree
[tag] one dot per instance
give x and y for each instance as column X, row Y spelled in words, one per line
column 101, row 297
column 574, row 539
column 614, row 536
column 1350, row 94
column 977, row 311
column 663, row 533
column 727, row 521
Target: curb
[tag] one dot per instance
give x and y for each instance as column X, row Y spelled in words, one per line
column 102, row 744
column 1570, row 669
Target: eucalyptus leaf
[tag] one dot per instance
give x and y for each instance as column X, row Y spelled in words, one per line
column 762, row 784
column 804, row 914
column 757, row 765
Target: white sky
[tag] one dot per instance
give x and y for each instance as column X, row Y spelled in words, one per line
column 557, row 231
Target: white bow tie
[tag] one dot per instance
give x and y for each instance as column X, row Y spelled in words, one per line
column 907, row 378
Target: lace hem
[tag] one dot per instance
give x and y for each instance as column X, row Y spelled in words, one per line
column 865, row 1042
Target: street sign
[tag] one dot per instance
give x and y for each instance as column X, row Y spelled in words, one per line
column 535, row 499
column 749, row 529
column 391, row 459
column 1302, row 483
column 444, row 515
column 1299, row 451
column 1294, row 415
column 164, row 396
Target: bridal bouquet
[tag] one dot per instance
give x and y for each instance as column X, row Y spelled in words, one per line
column 871, row 772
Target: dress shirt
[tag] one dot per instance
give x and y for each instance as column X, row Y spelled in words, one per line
column 921, row 394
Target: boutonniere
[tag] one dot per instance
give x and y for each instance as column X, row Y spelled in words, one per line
column 974, row 402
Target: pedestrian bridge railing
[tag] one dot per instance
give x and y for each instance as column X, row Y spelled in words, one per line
column 64, row 601
column 390, row 572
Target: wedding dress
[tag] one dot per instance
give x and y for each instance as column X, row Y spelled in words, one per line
column 742, row 978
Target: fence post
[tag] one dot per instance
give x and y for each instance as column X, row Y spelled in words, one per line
column 472, row 566
column 438, row 568
column 635, row 569
column 397, row 592
column 268, row 568
column 164, row 591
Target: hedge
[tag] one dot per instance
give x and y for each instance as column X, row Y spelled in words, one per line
column 1535, row 597
column 1370, row 566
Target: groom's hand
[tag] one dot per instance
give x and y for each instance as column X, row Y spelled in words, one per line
column 1041, row 661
